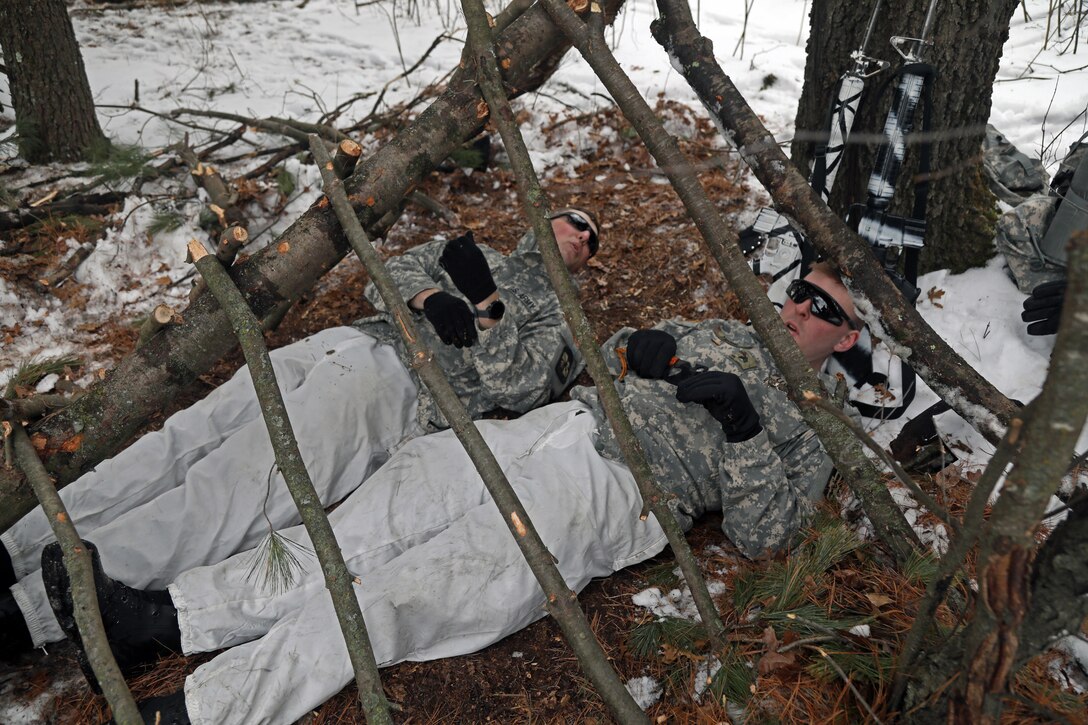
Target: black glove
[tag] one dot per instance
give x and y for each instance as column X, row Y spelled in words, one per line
column 649, row 353
column 724, row 396
column 451, row 318
column 468, row 269
column 1044, row 308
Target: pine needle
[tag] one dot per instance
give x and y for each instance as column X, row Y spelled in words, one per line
column 734, row 681
column 113, row 162
column 28, row 374
column 662, row 575
column 277, row 562
column 647, row 638
column 164, row 220
column 867, row 667
column 285, row 181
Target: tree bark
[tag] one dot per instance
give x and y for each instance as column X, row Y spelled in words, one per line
column 1059, row 586
column 967, row 39
column 54, row 109
column 103, row 419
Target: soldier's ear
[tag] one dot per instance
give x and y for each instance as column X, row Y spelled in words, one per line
column 847, row 341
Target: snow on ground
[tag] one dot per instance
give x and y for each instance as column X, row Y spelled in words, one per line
column 283, row 58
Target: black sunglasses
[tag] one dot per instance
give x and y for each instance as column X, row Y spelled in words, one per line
column 579, row 223
column 824, row 305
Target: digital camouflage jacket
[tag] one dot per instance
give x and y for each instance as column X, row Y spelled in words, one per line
column 523, row 362
column 765, row 486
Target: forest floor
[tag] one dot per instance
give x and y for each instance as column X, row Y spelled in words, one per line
column 532, row 676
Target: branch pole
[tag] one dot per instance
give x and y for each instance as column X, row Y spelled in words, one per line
column 338, row 579
column 845, row 450
column 953, row 559
column 562, row 602
column 534, row 203
column 1004, row 567
column 23, row 409
column 298, row 130
column 888, row 314
column 77, row 561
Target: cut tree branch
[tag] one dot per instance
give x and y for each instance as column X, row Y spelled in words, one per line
column 77, row 562
column 338, row 580
column 291, row 128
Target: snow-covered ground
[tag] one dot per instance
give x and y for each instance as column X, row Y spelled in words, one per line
column 299, row 60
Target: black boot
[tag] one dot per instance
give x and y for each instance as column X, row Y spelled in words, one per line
column 140, row 625
column 165, row 710
column 14, row 636
column 7, row 569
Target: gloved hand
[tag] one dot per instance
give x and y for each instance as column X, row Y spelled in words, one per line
column 1044, row 308
column 724, row 397
column 649, row 353
column 451, row 318
column 468, row 268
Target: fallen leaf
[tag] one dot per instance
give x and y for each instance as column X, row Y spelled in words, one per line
column 879, row 600
column 774, row 660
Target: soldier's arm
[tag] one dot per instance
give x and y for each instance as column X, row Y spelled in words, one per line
column 528, row 357
column 416, row 272
column 768, row 495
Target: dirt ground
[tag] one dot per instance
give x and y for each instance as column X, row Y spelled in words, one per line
column 652, row 265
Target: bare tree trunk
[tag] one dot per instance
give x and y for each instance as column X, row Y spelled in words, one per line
column 967, row 39
column 54, row 110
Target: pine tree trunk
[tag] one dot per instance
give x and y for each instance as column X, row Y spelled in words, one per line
column 967, row 39
column 54, row 110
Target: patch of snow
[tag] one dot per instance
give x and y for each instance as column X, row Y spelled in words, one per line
column 644, row 690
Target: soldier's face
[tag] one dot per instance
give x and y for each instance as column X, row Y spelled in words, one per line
column 819, row 338
column 573, row 244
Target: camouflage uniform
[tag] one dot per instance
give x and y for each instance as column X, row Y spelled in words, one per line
column 524, row 361
column 765, row 486
column 1012, row 175
column 1019, row 233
